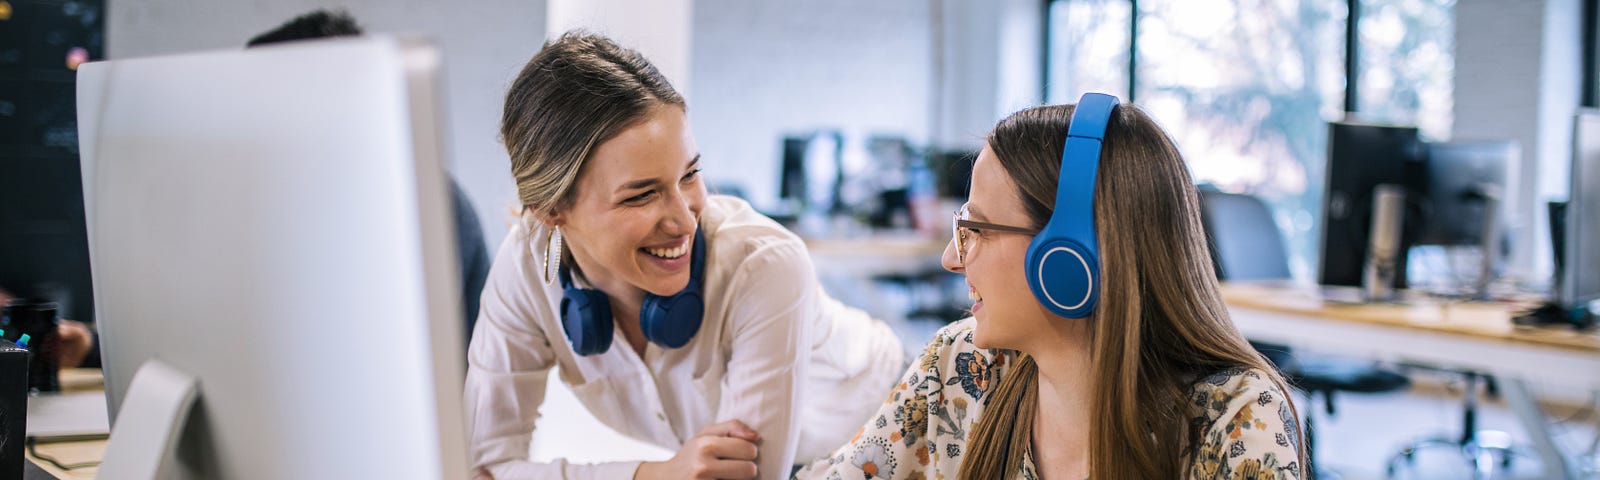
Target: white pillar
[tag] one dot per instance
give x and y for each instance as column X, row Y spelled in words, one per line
column 657, row 28
column 1517, row 76
column 987, row 65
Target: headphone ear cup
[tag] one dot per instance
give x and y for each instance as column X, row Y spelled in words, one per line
column 1064, row 276
column 672, row 321
column 586, row 319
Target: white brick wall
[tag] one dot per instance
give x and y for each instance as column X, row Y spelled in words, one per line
column 1517, row 76
column 764, row 68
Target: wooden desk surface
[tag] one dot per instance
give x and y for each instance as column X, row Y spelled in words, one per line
column 907, row 243
column 906, row 253
column 1458, row 335
column 68, row 453
column 1484, row 320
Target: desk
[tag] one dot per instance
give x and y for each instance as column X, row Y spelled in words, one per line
column 74, row 380
column 905, row 253
column 1472, row 336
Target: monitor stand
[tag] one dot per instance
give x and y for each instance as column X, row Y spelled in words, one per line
column 145, row 436
column 1489, row 242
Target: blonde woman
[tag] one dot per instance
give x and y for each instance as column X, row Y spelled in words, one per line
column 681, row 319
column 1126, row 367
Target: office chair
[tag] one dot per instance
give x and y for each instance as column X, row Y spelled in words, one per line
column 1245, row 241
column 1246, row 244
column 1486, row 450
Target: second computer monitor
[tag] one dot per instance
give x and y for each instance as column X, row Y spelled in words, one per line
column 1361, row 157
column 1464, row 185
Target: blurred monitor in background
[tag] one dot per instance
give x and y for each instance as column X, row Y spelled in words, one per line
column 887, row 185
column 1465, row 181
column 1579, row 284
column 1461, row 239
column 1361, row 157
column 952, row 171
column 811, row 172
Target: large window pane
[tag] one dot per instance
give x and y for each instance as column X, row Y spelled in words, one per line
column 1407, row 60
column 1245, row 87
column 1088, row 48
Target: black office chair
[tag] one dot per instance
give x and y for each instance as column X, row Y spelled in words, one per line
column 1247, row 245
column 1488, row 451
column 1245, row 242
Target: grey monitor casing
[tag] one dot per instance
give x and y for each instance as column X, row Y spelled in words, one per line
column 274, row 223
column 1580, row 282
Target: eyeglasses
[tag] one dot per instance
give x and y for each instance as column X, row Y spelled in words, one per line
column 962, row 228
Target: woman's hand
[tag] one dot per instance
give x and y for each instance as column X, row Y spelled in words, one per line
column 725, row 450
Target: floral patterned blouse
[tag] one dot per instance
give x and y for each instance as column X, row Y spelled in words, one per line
column 921, row 430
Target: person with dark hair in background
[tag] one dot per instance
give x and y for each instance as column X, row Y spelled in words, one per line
column 317, row 24
column 474, row 254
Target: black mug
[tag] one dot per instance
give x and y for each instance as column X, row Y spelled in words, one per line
column 39, row 321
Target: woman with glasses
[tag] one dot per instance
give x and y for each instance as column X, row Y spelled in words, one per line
column 1099, row 346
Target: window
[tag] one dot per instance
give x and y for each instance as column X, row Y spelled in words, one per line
column 1407, row 59
column 1246, row 87
column 1089, row 43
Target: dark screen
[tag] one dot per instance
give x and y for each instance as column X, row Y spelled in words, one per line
column 1361, row 157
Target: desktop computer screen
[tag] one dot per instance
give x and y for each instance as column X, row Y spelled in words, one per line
column 1461, row 203
column 269, row 229
column 811, row 172
column 1361, row 157
column 1464, row 182
column 1580, row 276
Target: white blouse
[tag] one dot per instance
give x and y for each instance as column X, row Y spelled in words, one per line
column 774, row 351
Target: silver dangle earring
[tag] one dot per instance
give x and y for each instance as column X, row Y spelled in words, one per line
column 552, row 256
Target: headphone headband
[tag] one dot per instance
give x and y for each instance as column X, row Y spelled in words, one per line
column 1063, row 266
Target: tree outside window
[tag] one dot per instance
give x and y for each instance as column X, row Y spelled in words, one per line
column 1246, row 87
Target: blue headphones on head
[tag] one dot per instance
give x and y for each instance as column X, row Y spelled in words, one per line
column 1064, row 259
column 667, row 321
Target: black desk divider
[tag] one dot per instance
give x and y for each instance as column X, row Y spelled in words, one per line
column 13, row 407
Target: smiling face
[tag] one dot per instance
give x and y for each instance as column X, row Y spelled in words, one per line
column 636, row 207
column 993, row 260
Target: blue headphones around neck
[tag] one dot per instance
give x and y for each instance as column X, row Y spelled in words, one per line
column 1064, row 259
column 667, row 321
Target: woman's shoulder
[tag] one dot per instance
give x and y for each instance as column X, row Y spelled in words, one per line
column 735, row 226
column 1225, row 392
column 949, row 342
column 953, row 361
column 1244, row 422
column 1238, row 382
column 744, row 244
column 923, row 426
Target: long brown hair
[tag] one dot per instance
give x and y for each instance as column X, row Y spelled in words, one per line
column 577, row 92
column 1160, row 324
